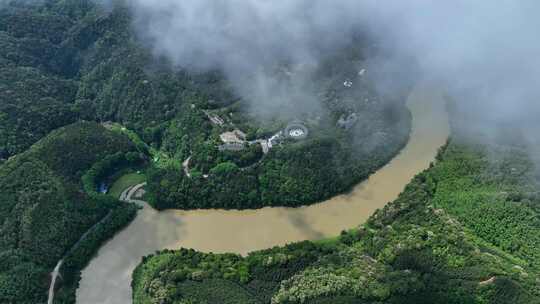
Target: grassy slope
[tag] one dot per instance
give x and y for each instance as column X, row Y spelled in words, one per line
column 125, row 182
column 422, row 248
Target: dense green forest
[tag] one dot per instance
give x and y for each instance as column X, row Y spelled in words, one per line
column 81, row 98
column 61, row 61
column 467, row 230
column 65, row 61
column 44, row 210
column 68, row 68
column 330, row 160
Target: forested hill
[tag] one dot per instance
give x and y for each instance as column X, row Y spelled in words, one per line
column 465, row 231
column 44, row 210
column 61, row 61
column 67, row 61
column 46, row 49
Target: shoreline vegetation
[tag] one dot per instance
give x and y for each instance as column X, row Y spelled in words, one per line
column 45, row 211
column 250, row 230
column 423, row 248
column 169, row 187
column 76, row 82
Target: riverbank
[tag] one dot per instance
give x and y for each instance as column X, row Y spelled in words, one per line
column 107, row 278
column 424, row 247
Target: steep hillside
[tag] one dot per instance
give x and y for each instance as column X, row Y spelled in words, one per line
column 44, row 210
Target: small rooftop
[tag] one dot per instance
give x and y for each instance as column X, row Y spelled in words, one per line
column 235, row 136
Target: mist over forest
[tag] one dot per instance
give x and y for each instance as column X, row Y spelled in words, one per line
column 249, row 109
column 483, row 52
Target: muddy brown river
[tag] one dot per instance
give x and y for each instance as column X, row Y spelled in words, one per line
column 108, row 276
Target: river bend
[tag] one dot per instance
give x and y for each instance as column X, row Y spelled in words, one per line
column 107, row 278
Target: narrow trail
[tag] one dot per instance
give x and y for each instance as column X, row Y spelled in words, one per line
column 54, row 276
column 107, row 278
column 56, row 271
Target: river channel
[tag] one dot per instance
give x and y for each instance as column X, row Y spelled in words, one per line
column 107, row 278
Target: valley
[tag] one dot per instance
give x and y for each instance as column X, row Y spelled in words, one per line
column 242, row 232
column 267, row 152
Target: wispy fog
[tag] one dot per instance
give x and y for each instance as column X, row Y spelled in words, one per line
column 486, row 53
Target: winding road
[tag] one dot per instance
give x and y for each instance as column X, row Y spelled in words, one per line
column 107, row 278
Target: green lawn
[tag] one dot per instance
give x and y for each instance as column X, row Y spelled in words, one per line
column 124, row 182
